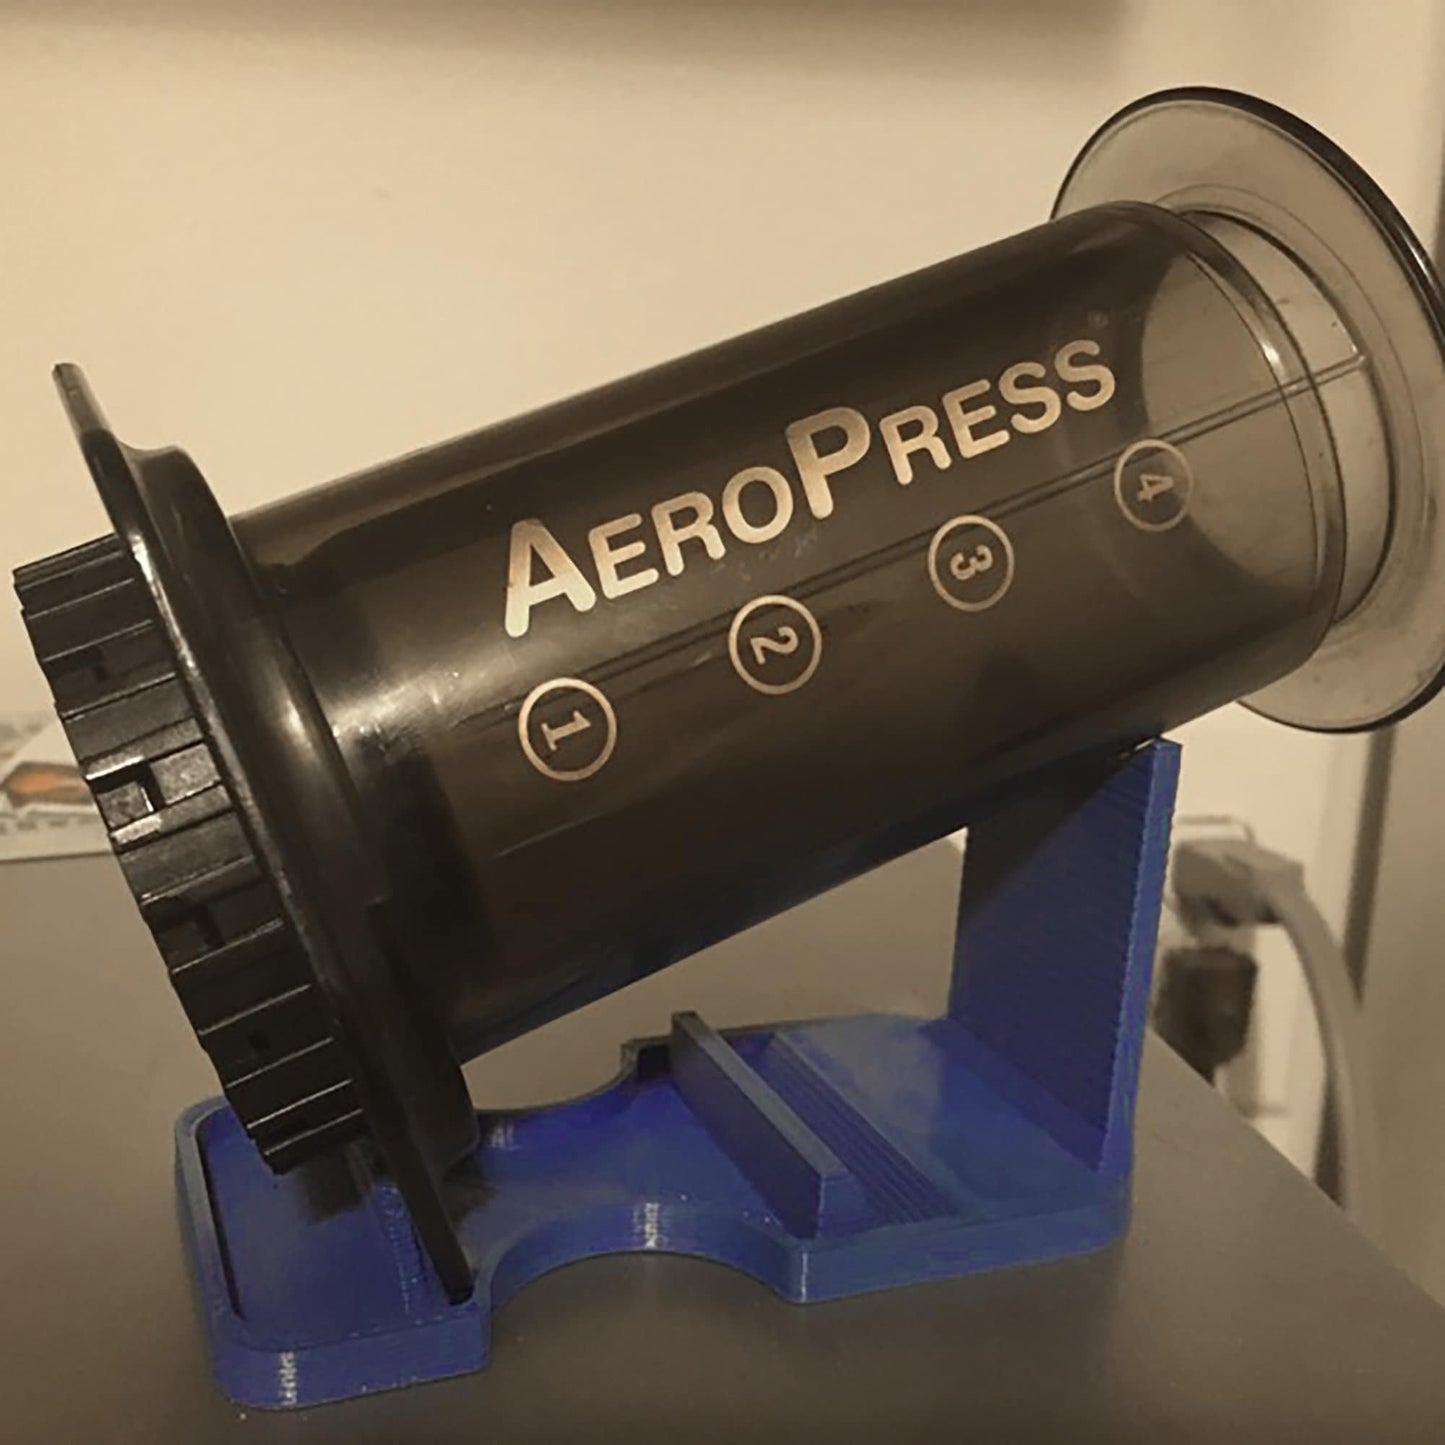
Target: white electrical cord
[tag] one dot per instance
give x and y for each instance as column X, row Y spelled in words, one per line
column 1237, row 881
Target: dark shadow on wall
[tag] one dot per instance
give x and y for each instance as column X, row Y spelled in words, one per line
column 927, row 37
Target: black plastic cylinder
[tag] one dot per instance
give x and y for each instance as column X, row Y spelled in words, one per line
column 625, row 675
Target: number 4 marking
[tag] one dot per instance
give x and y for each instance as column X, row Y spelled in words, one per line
column 1154, row 484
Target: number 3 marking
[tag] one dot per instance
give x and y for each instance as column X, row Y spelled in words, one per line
column 980, row 563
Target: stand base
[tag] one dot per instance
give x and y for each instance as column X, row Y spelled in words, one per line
column 825, row 1159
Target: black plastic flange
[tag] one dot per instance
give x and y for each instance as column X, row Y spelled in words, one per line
column 229, row 808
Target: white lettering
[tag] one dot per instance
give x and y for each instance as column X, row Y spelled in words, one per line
column 1011, row 388
column 963, row 421
column 531, row 539
column 609, row 559
column 814, row 468
column 1066, row 364
column 1031, row 398
column 732, row 504
column 925, row 439
column 670, row 536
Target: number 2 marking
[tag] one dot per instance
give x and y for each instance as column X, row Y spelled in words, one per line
column 786, row 642
column 980, row 562
column 552, row 736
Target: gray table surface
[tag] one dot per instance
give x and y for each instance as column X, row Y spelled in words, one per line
column 1240, row 1307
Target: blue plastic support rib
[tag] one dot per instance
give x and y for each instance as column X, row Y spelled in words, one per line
column 824, row 1158
column 797, row 1175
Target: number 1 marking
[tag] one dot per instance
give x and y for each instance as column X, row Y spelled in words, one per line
column 552, row 736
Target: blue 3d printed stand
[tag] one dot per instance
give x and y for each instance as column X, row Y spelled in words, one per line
column 824, row 1158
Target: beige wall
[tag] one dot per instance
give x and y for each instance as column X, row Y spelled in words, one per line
column 299, row 237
